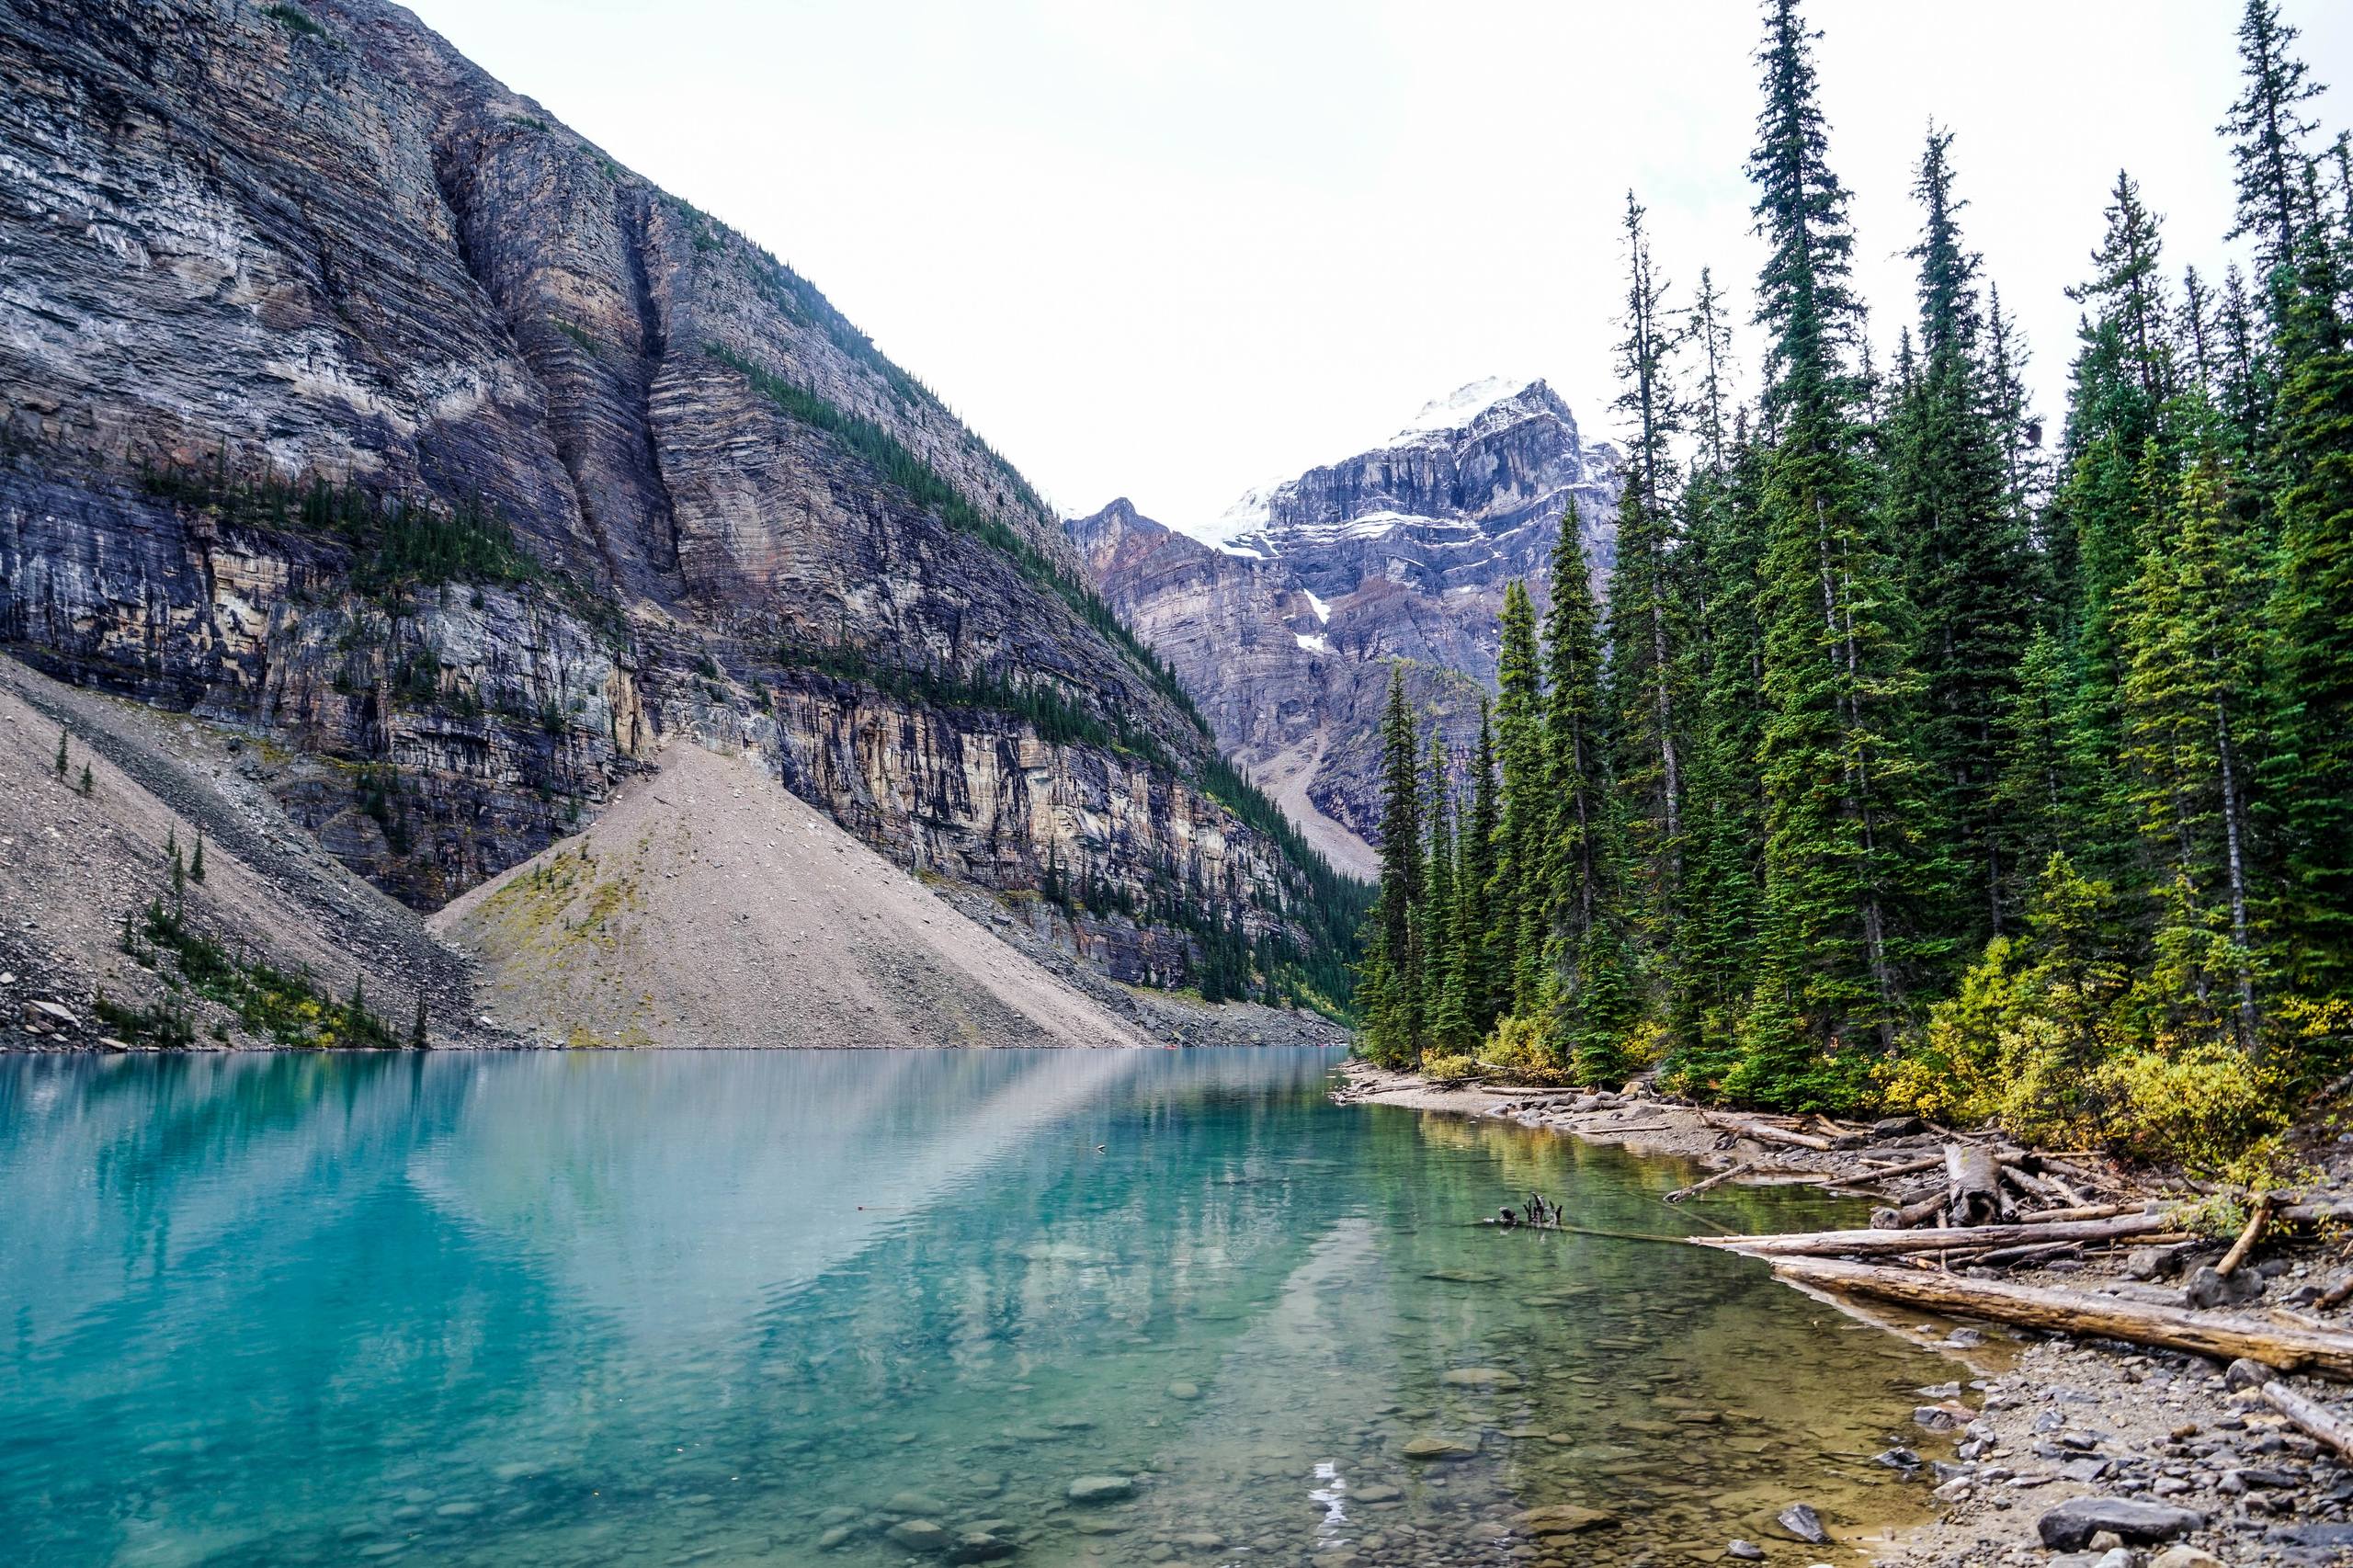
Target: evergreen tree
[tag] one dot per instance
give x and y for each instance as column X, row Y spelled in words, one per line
column 1646, row 602
column 2266, row 135
column 1521, row 852
column 417, row 1036
column 1590, row 998
column 1950, row 499
column 2194, row 640
column 2310, row 772
column 1450, row 1017
column 1486, row 991
column 60, row 754
column 196, row 866
column 88, row 783
column 1391, row 976
column 1839, row 775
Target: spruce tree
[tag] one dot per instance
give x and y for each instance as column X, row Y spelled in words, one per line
column 1442, row 982
column 1485, row 990
column 2194, row 635
column 1391, row 976
column 1522, row 851
column 1647, row 632
column 60, row 754
column 2267, row 133
column 1591, row 998
column 2310, row 771
column 1950, row 499
column 1840, row 776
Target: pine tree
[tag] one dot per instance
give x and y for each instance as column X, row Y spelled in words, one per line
column 88, row 783
column 196, row 866
column 1591, row 998
column 417, row 1036
column 2194, row 638
column 1391, row 977
column 2127, row 288
column 2310, row 772
column 60, row 754
column 1839, row 775
column 1950, row 499
column 1450, row 1017
column 1485, row 990
column 1647, row 706
column 1521, row 852
column 2039, row 797
column 2266, row 135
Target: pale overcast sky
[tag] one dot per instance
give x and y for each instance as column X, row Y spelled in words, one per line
column 1171, row 250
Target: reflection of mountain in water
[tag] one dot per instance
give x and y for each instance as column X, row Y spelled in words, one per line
column 591, row 1308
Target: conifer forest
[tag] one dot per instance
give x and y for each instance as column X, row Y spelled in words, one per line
column 1912, row 759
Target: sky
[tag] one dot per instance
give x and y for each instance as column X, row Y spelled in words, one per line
column 1172, row 250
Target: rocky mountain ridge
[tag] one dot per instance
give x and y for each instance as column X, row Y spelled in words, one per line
column 1284, row 617
column 348, row 399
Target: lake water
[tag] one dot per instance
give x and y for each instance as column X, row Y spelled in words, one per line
column 742, row 1308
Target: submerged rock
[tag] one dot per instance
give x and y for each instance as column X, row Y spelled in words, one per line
column 1803, row 1523
column 1437, row 1449
column 919, row 1535
column 1101, row 1489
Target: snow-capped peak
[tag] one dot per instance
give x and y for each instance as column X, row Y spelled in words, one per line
column 1462, row 405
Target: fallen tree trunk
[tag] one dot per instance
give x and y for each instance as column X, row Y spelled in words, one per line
column 1830, row 1244
column 2071, row 1312
column 1764, row 1134
column 1680, row 1193
column 2312, row 1416
column 1909, row 1167
column 1973, row 1186
column 2258, row 1217
column 2315, row 1212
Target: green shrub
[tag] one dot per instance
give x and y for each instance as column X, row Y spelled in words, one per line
column 1520, row 1050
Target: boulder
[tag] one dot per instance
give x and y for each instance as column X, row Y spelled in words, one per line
column 2207, row 1288
column 2070, row 1526
column 1746, row 1550
column 980, row 1546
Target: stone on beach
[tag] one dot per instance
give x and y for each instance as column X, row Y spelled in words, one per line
column 2070, row 1526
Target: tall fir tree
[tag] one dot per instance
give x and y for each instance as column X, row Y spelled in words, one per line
column 1487, row 990
column 1391, row 979
column 2194, row 640
column 1950, row 499
column 2267, row 130
column 1647, row 603
column 1521, row 852
column 1840, row 777
column 1442, row 974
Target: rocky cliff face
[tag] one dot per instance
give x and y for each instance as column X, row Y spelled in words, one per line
column 348, row 397
column 1284, row 617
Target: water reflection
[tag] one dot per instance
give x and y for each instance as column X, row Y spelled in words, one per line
column 754, row 1307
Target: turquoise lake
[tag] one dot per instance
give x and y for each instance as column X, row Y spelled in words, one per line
column 868, row 1308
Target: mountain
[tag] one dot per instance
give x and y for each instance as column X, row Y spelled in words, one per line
column 1284, row 616
column 353, row 402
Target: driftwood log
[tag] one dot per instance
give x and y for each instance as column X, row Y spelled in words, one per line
column 2070, row 1312
column 1763, row 1132
column 2312, row 1416
column 2258, row 1216
column 1831, row 1244
column 1741, row 1169
column 1973, row 1186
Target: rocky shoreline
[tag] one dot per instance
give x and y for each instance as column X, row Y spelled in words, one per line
column 2045, row 1450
